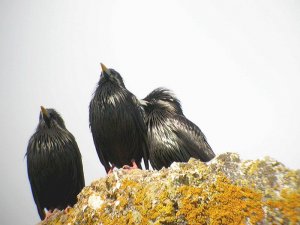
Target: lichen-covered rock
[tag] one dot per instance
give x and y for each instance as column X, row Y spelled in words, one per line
column 223, row 191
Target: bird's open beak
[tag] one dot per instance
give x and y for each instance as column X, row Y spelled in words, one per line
column 105, row 71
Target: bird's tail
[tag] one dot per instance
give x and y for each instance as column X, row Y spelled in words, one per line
column 41, row 212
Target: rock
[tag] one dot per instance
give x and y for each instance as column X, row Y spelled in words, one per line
column 226, row 190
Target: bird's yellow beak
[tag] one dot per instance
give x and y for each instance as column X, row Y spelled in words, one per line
column 104, row 69
column 44, row 111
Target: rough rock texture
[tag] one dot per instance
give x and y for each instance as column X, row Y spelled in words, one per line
column 223, row 191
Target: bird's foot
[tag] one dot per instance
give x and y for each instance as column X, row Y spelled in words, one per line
column 111, row 169
column 134, row 166
column 48, row 214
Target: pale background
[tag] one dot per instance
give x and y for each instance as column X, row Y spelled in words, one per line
column 235, row 65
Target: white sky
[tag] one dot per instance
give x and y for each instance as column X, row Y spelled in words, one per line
column 235, row 65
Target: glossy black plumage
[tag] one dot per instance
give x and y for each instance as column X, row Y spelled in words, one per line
column 117, row 124
column 172, row 137
column 54, row 164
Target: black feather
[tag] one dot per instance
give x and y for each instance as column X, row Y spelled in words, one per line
column 54, row 164
column 172, row 137
column 117, row 124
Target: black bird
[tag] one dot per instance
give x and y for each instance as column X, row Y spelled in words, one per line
column 54, row 164
column 172, row 137
column 117, row 123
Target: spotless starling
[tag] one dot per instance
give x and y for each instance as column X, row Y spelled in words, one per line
column 54, row 164
column 172, row 137
column 117, row 123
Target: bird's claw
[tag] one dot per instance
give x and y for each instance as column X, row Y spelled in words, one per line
column 126, row 167
column 134, row 166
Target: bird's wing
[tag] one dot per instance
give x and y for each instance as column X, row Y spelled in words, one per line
column 40, row 209
column 140, row 121
column 104, row 161
column 78, row 176
column 192, row 139
column 95, row 130
column 32, row 169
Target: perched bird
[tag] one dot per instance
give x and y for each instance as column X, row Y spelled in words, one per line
column 171, row 136
column 54, row 164
column 117, row 124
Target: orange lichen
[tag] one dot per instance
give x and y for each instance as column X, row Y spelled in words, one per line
column 232, row 204
column 195, row 194
column 288, row 205
column 192, row 205
column 221, row 203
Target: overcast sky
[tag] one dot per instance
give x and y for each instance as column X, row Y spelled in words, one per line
column 235, row 66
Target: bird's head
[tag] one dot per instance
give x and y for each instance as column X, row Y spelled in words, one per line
column 110, row 75
column 50, row 118
column 164, row 99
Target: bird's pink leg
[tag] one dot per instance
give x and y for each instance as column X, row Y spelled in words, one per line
column 48, row 214
column 134, row 165
column 111, row 169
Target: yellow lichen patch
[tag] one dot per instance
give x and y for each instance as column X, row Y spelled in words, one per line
column 253, row 167
column 115, row 211
column 221, row 203
column 288, row 204
column 126, row 219
column 125, row 193
column 160, row 211
column 225, row 191
column 192, row 205
column 292, row 176
column 232, row 204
